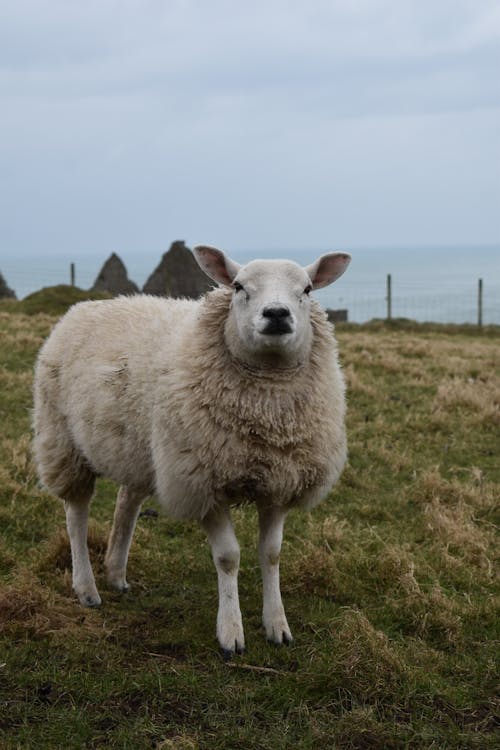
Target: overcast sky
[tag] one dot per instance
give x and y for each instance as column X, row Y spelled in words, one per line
column 272, row 124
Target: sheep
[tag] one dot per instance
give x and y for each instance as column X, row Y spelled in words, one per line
column 236, row 397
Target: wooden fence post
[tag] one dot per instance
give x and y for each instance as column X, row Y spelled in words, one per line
column 72, row 274
column 480, row 303
column 389, row 296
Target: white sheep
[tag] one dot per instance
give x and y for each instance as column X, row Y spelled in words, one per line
column 235, row 397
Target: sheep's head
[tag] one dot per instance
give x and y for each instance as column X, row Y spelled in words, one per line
column 269, row 319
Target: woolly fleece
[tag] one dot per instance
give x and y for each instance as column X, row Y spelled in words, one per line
column 144, row 391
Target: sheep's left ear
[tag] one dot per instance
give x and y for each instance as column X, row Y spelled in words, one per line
column 218, row 266
column 327, row 269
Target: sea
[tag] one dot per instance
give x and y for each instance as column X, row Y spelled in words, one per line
column 438, row 284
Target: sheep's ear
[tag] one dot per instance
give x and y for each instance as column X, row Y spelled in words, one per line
column 216, row 264
column 327, row 269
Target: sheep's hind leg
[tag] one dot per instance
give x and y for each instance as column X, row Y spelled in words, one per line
column 226, row 555
column 271, row 522
column 77, row 517
column 128, row 505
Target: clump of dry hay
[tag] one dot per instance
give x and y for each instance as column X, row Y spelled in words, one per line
column 456, row 521
column 478, row 397
column 27, row 607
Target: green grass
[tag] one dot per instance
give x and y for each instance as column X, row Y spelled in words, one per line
column 53, row 300
column 389, row 586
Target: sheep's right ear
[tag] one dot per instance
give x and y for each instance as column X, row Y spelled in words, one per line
column 215, row 264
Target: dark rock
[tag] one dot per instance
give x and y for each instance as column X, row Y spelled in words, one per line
column 113, row 278
column 178, row 275
column 337, row 316
column 6, row 291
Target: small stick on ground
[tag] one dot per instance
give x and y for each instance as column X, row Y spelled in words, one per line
column 252, row 668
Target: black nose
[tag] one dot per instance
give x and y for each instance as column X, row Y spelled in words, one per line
column 275, row 313
column 278, row 320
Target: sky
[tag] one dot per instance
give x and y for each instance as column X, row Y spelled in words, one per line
column 125, row 125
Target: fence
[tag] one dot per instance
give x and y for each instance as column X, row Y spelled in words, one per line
column 382, row 296
column 414, row 306
column 388, row 298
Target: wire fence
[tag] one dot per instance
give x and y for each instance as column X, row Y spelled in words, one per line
column 381, row 297
column 474, row 303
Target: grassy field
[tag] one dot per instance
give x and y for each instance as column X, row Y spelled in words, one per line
column 389, row 585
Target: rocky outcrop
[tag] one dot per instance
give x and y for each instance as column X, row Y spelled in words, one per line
column 113, row 278
column 5, row 291
column 178, row 275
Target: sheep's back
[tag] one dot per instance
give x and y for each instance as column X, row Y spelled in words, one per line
column 99, row 370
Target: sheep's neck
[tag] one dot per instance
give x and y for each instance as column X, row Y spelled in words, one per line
column 268, row 368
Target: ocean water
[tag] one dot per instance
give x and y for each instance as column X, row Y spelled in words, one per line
column 428, row 284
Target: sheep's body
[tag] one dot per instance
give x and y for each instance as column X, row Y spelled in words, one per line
column 145, row 391
column 95, row 392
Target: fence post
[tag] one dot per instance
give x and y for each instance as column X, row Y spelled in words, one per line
column 389, row 296
column 72, row 274
column 480, row 303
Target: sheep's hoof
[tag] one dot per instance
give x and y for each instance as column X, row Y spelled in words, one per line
column 115, row 578
column 228, row 653
column 89, row 600
column 121, row 586
column 285, row 640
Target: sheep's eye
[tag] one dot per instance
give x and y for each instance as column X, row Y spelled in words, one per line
column 237, row 287
column 308, row 289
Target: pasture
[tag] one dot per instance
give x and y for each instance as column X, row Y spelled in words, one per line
column 390, row 586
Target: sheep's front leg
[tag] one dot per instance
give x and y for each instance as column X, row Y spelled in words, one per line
column 226, row 555
column 128, row 505
column 271, row 522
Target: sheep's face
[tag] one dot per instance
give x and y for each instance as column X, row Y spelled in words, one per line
column 269, row 319
column 270, row 308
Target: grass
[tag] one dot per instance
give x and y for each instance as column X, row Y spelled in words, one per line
column 390, row 585
column 54, row 300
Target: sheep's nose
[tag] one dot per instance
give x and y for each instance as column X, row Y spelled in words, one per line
column 275, row 312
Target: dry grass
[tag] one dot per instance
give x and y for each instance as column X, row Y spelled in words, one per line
column 478, row 398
